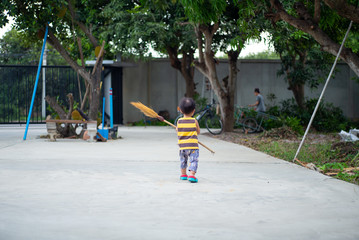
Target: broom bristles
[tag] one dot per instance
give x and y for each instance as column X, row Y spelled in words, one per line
column 145, row 110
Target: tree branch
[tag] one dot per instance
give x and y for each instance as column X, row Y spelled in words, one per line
column 57, row 45
column 232, row 58
column 317, row 11
column 82, row 26
column 54, row 104
column 173, row 55
column 70, row 99
column 200, row 43
column 344, row 9
column 99, row 58
column 306, row 24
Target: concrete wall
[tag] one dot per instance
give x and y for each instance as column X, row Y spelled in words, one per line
column 158, row 85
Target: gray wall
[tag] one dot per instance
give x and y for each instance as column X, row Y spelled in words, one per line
column 157, row 84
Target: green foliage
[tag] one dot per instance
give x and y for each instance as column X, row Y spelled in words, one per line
column 204, row 11
column 136, row 29
column 30, row 18
column 328, row 117
column 330, row 28
column 201, row 102
column 321, row 154
column 314, row 153
column 269, row 124
column 342, row 175
column 353, row 178
column 262, row 55
column 294, row 124
column 16, row 48
column 299, row 54
column 335, row 165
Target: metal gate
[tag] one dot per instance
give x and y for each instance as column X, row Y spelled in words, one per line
column 17, row 84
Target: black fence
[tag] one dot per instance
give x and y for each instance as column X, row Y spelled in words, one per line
column 17, row 85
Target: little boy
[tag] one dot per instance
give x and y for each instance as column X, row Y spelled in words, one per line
column 187, row 131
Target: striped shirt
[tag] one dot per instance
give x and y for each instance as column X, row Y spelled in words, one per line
column 187, row 133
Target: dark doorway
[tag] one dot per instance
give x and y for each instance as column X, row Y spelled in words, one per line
column 116, row 78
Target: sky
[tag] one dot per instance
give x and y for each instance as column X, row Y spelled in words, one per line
column 250, row 47
column 6, row 28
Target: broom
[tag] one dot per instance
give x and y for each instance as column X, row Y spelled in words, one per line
column 152, row 114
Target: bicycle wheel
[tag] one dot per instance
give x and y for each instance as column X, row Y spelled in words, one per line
column 250, row 125
column 214, row 124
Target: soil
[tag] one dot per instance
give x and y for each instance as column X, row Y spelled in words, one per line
column 278, row 134
column 345, row 148
column 285, row 134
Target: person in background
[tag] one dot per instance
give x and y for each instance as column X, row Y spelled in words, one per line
column 259, row 105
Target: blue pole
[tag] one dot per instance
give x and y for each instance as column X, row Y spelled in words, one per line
column 103, row 112
column 111, row 108
column 36, row 82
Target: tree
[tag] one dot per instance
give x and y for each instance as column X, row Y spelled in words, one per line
column 67, row 21
column 225, row 26
column 301, row 59
column 15, row 48
column 135, row 27
column 326, row 23
column 267, row 54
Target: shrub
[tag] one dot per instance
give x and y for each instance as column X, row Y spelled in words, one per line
column 294, row 124
column 328, row 117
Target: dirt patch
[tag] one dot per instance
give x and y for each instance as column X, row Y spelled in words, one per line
column 281, row 133
column 345, row 148
column 237, row 136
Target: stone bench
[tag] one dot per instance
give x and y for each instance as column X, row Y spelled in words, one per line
column 51, row 127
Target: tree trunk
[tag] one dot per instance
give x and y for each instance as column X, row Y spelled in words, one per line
column 207, row 66
column 187, row 71
column 298, row 92
column 229, row 83
column 185, row 67
column 95, row 92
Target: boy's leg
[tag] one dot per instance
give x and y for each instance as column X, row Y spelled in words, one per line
column 193, row 160
column 184, row 158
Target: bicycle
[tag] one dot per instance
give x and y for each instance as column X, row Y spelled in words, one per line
column 250, row 123
column 212, row 121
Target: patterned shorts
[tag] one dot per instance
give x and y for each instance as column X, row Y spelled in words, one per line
column 191, row 156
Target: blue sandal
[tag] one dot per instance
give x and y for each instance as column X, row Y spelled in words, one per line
column 183, row 177
column 192, row 179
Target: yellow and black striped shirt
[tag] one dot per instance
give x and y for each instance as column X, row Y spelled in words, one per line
column 187, row 133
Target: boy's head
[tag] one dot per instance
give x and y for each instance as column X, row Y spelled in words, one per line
column 256, row 91
column 187, row 105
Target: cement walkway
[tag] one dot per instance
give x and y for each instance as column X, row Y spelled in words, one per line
column 130, row 189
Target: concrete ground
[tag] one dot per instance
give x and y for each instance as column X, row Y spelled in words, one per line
column 130, row 189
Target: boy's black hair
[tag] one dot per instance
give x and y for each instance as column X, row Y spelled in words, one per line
column 257, row 90
column 187, row 105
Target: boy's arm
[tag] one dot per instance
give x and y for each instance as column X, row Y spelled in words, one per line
column 198, row 129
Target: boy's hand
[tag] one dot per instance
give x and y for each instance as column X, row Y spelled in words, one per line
column 160, row 118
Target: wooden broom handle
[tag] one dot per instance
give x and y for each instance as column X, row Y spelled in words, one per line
column 198, row 141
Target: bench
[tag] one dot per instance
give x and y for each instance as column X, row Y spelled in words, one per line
column 51, row 127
